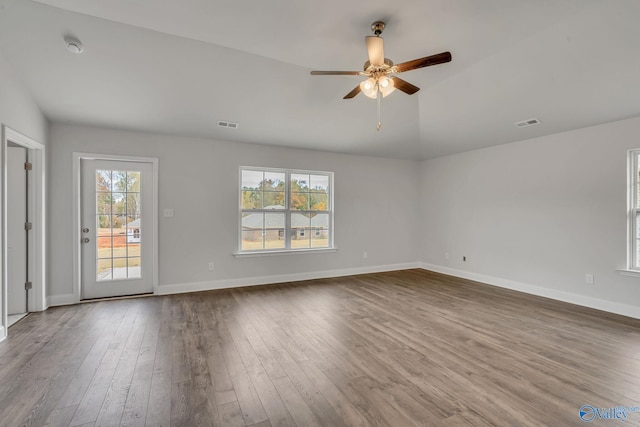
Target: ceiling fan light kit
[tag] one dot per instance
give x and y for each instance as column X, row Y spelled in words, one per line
column 380, row 82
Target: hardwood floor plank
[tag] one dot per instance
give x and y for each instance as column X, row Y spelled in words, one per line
column 159, row 406
column 399, row 348
column 94, row 398
column 252, row 409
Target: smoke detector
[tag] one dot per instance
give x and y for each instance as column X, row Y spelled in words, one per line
column 73, row 45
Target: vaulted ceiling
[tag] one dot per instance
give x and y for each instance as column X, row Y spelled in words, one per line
column 177, row 67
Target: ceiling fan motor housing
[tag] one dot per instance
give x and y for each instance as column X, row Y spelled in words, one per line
column 377, row 27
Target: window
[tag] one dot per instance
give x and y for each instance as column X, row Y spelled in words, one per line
column 633, row 211
column 280, row 207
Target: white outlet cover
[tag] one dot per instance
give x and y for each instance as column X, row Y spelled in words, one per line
column 168, row 213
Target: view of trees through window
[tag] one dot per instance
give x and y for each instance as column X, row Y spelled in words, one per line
column 118, row 224
column 271, row 199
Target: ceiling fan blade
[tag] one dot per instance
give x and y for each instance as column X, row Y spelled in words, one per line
column 427, row 61
column 375, row 47
column 404, row 86
column 336, row 73
column 353, row 93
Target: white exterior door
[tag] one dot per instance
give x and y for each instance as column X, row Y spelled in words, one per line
column 16, row 232
column 117, row 228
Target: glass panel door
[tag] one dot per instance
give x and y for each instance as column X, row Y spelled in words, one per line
column 116, row 250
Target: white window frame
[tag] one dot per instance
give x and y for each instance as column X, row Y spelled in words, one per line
column 633, row 209
column 287, row 211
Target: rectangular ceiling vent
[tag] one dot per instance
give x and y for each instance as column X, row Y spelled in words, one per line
column 228, row 125
column 527, row 123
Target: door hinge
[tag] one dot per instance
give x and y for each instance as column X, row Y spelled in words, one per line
column 28, row 166
column 28, row 226
column 28, row 285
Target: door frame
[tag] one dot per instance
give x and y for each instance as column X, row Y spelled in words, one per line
column 37, row 300
column 77, row 206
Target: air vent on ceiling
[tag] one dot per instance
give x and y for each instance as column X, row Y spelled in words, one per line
column 228, row 125
column 526, row 123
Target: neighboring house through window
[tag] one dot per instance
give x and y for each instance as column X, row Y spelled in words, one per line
column 280, row 207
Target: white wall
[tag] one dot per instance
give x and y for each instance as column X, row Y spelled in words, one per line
column 536, row 215
column 19, row 111
column 374, row 198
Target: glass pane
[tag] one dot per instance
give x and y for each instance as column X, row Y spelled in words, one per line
column 118, row 181
column 103, row 203
column 319, row 183
column 119, row 205
column 274, row 231
column 320, row 231
column 252, row 231
column 318, row 202
column 273, row 181
column 251, row 199
column 300, row 231
column 299, row 182
column 133, row 204
column 133, row 182
column 103, row 225
column 638, row 225
column 273, row 200
column 251, row 179
column 299, row 201
column 103, row 269
column 104, row 247
column 103, row 180
column 119, row 235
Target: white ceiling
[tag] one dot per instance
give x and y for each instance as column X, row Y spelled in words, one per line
column 178, row 66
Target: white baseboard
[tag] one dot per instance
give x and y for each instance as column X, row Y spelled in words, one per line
column 280, row 278
column 66, row 299
column 3, row 335
column 598, row 304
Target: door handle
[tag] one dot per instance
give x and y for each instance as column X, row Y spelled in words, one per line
column 85, row 240
column 85, row 230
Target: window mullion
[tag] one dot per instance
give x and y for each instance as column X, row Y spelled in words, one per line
column 287, row 219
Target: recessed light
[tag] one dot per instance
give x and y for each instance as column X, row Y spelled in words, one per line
column 73, row 45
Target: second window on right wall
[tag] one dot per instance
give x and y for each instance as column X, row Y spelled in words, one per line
column 633, row 211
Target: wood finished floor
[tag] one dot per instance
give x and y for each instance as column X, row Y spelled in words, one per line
column 393, row 349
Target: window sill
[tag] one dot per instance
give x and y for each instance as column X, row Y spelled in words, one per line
column 283, row 252
column 630, row 273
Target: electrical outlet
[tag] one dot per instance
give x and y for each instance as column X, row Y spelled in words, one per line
column 211, row 266
column 168, row 213
column 464, row 258
column 588, row 279
column 365, row 255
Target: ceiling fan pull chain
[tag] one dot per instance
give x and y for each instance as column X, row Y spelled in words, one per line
column 379, row 125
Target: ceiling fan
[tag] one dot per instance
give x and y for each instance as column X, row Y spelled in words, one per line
column 379, row 70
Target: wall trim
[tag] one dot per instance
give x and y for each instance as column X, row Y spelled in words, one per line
column 2, row 334
column 66, row 299
column 572, row 298
column 179, row 288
